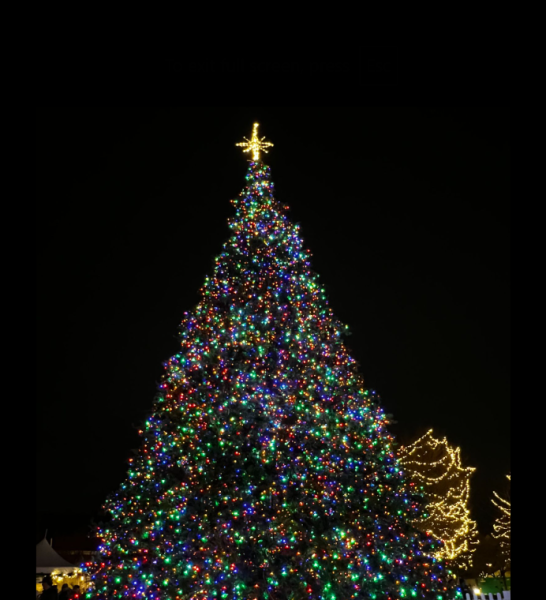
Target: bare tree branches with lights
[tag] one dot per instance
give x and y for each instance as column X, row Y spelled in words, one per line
column 503, row 525
column 436, row 469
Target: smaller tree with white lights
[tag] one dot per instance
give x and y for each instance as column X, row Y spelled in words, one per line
column 436, row 470
column 503, row 526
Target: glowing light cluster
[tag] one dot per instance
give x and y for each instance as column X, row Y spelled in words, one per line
column 436, row 469
column 266, row 471
column 255, row 144
column 502, row 526
column 72, row 578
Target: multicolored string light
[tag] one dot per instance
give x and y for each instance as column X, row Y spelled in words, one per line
column 266, row 471
column 436, row 469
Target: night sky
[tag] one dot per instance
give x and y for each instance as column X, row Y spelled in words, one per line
column 406, row 212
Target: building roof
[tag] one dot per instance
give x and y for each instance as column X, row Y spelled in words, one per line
column 47, row 560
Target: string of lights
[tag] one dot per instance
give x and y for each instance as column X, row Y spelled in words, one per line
column 436, row 469
column 266, row 470
column 502, row 526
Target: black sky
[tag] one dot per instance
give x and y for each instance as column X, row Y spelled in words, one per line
column 406, row 212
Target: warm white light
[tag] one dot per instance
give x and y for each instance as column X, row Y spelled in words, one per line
column 477, row 592
column 255, row 144
column 447, row 511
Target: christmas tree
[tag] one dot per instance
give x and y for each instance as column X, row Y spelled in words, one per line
column 503, row 525
column 436, row 469
column 266, row 471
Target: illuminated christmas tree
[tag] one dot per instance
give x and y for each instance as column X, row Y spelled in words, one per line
column 266, row 471
column 436, row 469
column 503, row 524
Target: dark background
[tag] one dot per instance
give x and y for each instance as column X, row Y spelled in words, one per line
column 406, row 211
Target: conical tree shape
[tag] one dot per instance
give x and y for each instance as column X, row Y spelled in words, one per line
column 436, row 468
column 265, row 470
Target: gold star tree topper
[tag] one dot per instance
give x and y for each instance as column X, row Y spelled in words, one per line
column 255, row 145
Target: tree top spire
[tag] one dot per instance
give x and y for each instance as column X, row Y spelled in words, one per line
column 255, row 144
